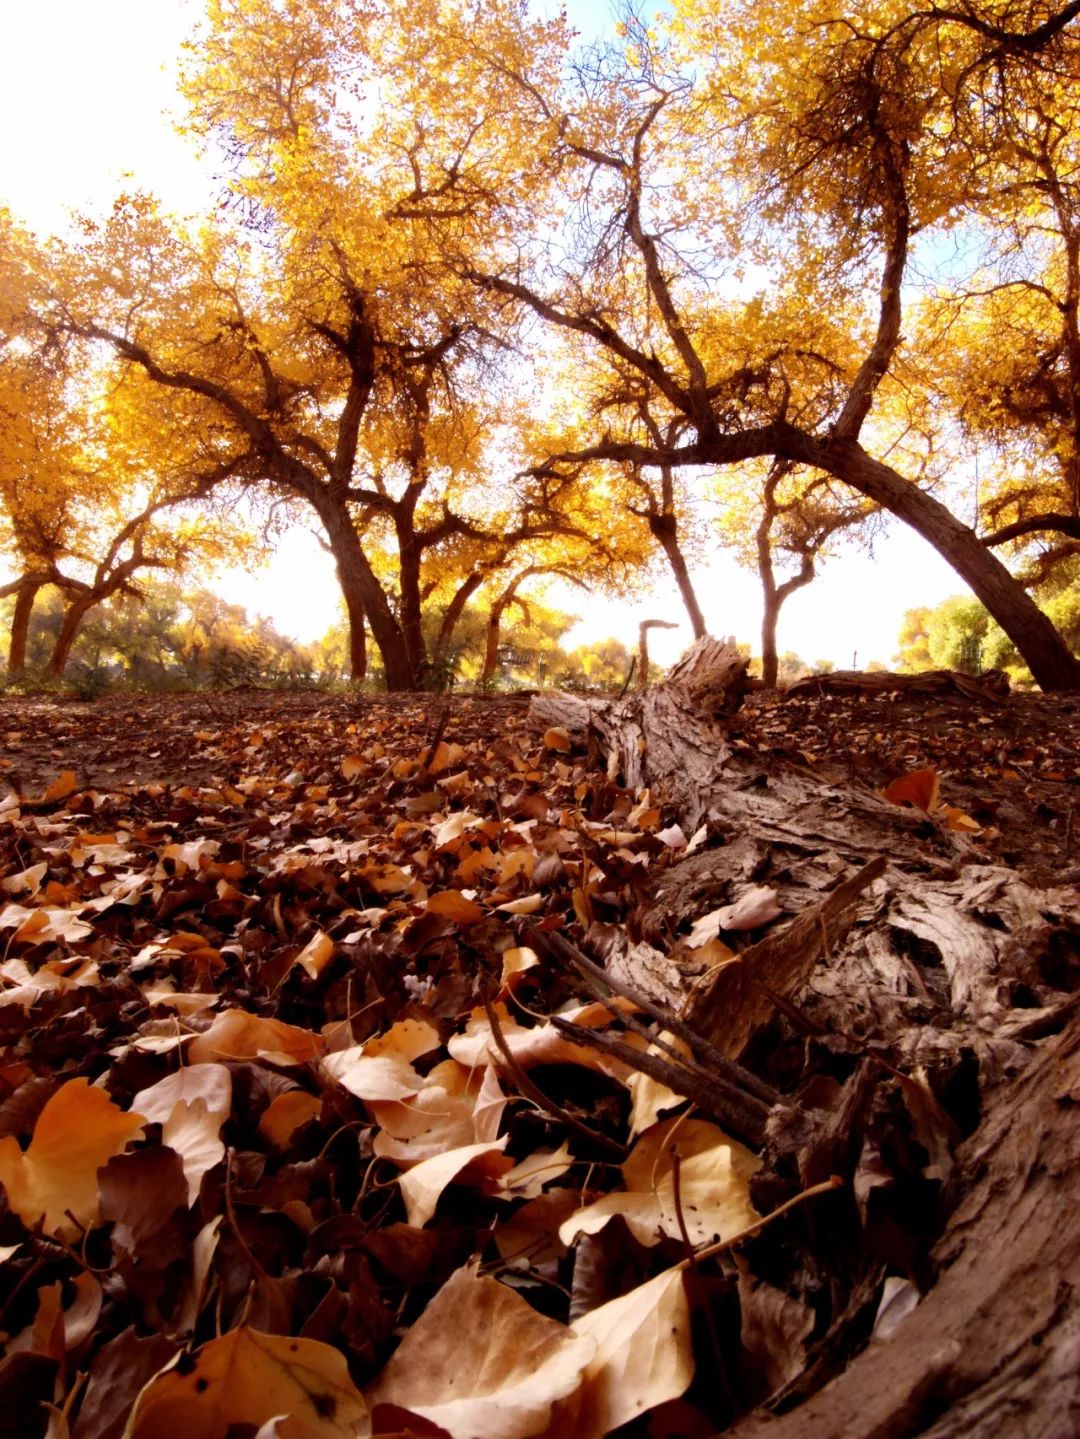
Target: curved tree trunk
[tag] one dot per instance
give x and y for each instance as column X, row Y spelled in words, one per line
column 1043, row 649
column 770, row 661
column 357, row 636
column 491, row 639
column 74, row 615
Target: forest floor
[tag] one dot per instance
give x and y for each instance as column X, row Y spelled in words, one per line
column 261, row 924
column 1014, row 767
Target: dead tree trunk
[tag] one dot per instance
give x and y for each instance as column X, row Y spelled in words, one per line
column 861, row 885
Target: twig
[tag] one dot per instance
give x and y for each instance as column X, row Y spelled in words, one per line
column 440, row 730
column 537, row 1095
column 742, row 1112
column 599, row 980
column 825, row 1187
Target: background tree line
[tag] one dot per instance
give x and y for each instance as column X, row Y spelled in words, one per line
column 490, row 308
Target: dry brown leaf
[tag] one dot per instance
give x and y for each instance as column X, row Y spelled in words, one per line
column 532, row 1233
column 212, row 1083
column 644, row 1356
column 316, row 954
column 527, row 1178
column 381, row 1068
column 543, row 1044
column 714, row 1187
column 246, row 1378
column 285, row 1115
column 44, row 925
column 65, row 783
column 515, row 963
column 78, row 1131
column 955, row 819
column 483, row 1364
column 194, row 1131
column 445, row 757
column 649, row 1097
column 450, row 1111
column 754, row 907
column 557, row 738
column 236, row 1034
column 480, row 1165
column 452, row 904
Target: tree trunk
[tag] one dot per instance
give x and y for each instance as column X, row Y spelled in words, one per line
column 354, row 610
column 1043, row 649
column 491, row 640
column 363, row 593
column 992, row 1347
column 455, row 609
column 410, row 608
column 74, row 615
column 20, row 628
column 664, row 531
column 770, row 662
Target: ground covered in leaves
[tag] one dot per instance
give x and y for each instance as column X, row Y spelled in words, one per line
column 306, row 1129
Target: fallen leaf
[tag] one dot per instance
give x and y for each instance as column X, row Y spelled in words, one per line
column 920, row 788
column 236, row 1034
column 558, row 739
column 644, row 1355
column 714, row 1187
column 212, row 1083
column 316, row 954
column 423, row 1184
column 65, row 783
column 527, row 1178
column 452, row 904
column 194, row 1131
column 285, row 1114
column 481, row 1362
column 245, row 1379
column 382, row 1068
column 77, row 1132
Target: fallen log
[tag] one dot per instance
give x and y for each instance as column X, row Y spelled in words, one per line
column 989, row 688
column 900, row 938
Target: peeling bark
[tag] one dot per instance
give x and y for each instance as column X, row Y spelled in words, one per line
column 921, row 956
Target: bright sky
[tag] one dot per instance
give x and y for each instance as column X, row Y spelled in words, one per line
column 85, row 109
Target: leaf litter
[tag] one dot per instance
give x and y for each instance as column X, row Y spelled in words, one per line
column 306, row 1130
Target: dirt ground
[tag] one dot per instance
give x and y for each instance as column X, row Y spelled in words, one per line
column 1014, row 767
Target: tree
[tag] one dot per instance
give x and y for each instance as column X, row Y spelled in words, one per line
column 838, row 151
column 1008, row 321
column 91, row 476
column 778, row 518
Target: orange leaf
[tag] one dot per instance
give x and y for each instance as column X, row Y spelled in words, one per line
column 285, row 1115
column 78, row 1131
column 236, row 1034
column 956, row 819
column 246, row 1379
column 921, row 788
column 452, row 904
column 64, row 784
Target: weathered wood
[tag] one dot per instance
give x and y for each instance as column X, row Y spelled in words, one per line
column 989, row 688
column 934, row 952
column 728, row 1005
column 993, row 1350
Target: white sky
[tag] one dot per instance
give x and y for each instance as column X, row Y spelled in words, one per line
column 84, row 108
